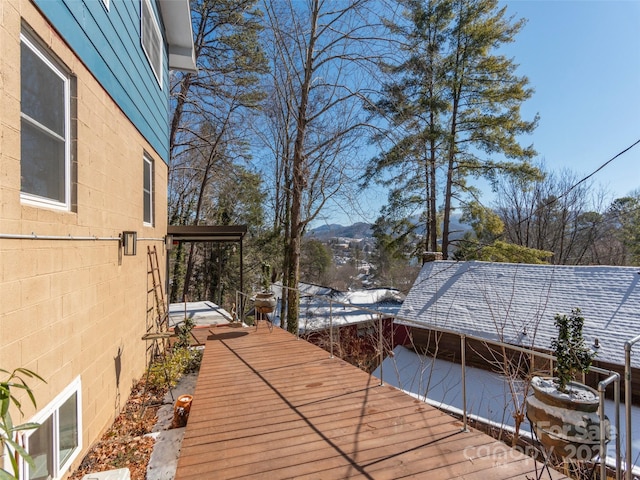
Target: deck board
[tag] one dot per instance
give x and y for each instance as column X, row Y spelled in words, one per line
column 267, row 405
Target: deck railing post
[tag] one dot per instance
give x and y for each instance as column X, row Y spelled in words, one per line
column 463, row 361
column 330, row 328
column 614, row 377
column 380, row 348
column 627, row 405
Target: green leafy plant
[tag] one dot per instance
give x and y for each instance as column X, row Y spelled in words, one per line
column 15, row 380
column 184, row 330
column 168, row 370
column 572, row 355
column 266, row 276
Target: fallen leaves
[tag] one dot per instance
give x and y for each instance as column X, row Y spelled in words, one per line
column 125, row 445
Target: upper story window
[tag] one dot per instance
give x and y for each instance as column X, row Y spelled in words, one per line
column 152, row 39
column 45, row 146
column 147, row 189
column 57, row 441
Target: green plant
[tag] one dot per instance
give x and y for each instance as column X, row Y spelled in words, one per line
column 184, row 333
column 168, row 370
column 266, row 276
column 572, row 355
column 8, row 430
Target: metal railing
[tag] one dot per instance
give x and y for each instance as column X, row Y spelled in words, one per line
column 627, row 403
column 612, row 377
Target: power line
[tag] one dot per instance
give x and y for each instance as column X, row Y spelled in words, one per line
column 601, row 167
column 570, row 189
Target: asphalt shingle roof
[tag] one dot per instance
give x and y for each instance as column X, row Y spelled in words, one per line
column 518, row 302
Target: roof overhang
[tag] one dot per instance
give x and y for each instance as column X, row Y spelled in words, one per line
column 176, row 15
column 206, row 233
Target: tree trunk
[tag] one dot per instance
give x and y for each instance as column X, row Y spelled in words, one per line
column 299, row 183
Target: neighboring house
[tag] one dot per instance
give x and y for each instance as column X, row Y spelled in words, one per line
column 351, row 319
column 322, row 306
column 517, row 303
column 84, row 89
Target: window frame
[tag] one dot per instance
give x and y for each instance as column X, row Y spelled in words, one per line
column 52, row 411
column 146, row 7
column 147, row 160
column 30, row 198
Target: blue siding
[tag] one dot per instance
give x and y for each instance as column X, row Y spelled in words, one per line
column 108, row 43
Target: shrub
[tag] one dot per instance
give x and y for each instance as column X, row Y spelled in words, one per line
column 178, row 362
column 572, row 355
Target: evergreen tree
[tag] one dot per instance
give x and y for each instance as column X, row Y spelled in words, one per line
column 315, row 261
column 624, row 216
column 455, row 105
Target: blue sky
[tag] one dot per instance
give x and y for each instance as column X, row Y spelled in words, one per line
column 582, row 58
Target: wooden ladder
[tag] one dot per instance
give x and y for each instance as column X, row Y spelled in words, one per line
column 159, row 333
column 162, row 318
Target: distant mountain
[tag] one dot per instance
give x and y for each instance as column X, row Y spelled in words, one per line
column 363, row 230
column 357, row 230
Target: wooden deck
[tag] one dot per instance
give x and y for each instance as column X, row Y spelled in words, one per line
column 269, row 406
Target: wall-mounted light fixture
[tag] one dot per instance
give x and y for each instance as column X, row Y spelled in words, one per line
column 168, row 242
column 129, row 242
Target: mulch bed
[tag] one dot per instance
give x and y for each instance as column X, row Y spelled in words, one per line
column 124, row 444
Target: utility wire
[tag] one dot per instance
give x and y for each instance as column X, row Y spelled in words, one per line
column 565, row 193
column 602, row 166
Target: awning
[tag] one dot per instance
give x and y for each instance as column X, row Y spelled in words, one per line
column 210, row 233
column 207, row 233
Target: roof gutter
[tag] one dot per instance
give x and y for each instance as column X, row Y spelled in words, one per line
column 176, row 15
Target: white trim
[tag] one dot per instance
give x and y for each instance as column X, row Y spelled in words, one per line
column 51, row 411
column 106, row 4
column 155, row 28
column 148, row 160
column 30, row 198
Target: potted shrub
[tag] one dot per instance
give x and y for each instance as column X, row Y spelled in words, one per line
column 563, row 412
column 265, row 301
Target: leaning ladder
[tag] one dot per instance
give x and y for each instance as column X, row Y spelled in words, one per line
column 158, row 334
column 162, row 317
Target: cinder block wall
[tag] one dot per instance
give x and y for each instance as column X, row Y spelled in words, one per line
column 73, row 308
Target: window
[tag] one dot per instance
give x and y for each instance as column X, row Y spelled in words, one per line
column 147, row 191
column 151, row 39
column 45, row 150
column 56, row 442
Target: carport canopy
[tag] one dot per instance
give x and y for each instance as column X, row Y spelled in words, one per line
column 210, row 233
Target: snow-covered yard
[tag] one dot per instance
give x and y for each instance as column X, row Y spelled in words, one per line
column 439, row 383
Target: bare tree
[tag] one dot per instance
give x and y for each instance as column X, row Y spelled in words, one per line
column 320, row 52
column 210, row 111
column 552, row 214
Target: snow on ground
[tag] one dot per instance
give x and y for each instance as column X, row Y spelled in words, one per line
column 202, row 313
column 321, row 306
column 438, row 383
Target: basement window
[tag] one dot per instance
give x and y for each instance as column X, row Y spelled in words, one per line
column 56, row 443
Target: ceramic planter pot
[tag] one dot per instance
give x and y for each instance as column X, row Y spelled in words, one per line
column 566, row 424
column 265, row 302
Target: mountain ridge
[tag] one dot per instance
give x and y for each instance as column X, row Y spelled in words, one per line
column 364, row 230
